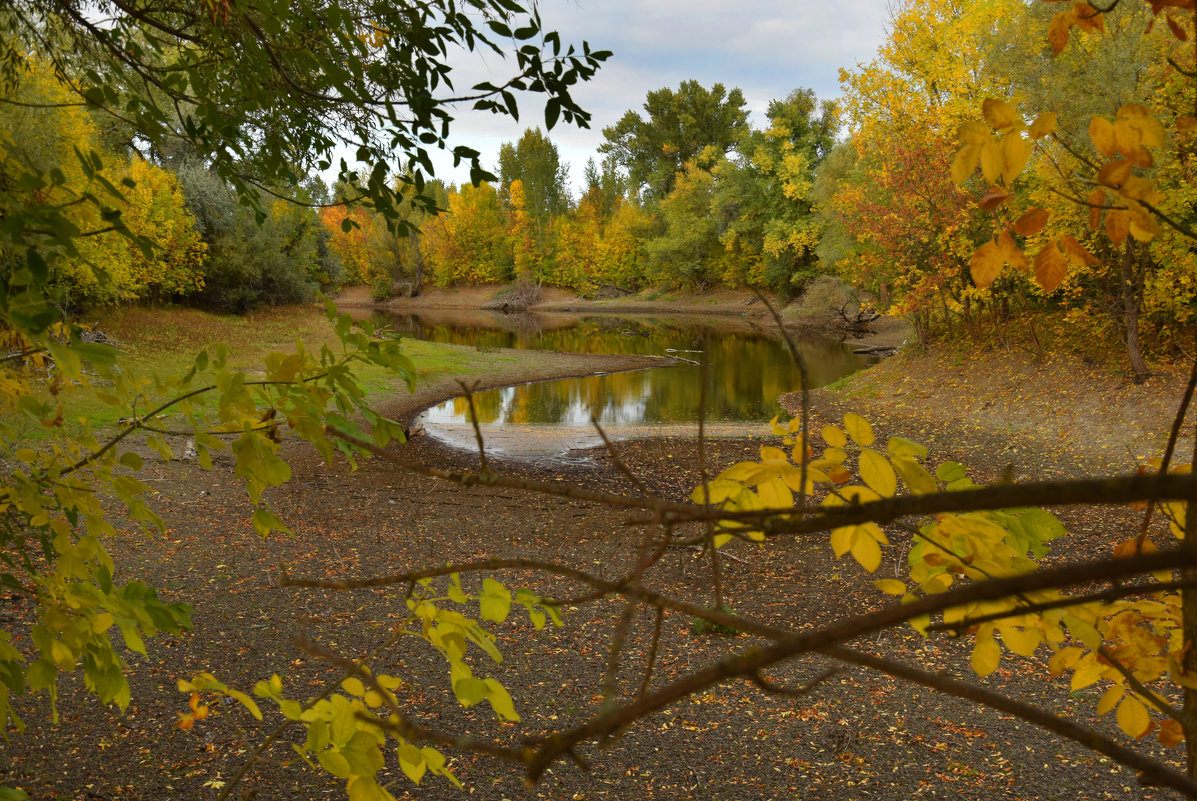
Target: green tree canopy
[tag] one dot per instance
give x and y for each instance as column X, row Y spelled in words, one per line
column 534, row 161
column 679, row 126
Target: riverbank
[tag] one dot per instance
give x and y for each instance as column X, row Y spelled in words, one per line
column 816, row 317
column 859, row 735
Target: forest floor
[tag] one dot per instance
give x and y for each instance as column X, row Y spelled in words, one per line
column 857, row 736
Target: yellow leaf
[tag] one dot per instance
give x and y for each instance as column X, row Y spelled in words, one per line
column 842, row 539
column 891, row 586
column 1064, row 659
column 965, row 163
column 719, row 490
column 777, row 430
column 915, row 475
column 998, row 113
column 1043, row 125
column 858, row 428
column 1088, row 671
column 1151, row 130
column 986, row 264
column 1019, row 640
column 834, row 437
column 835, row 455
column 866, row 552
column 771, row 454
column 992, row 163
column 1112, row 696
column 1011, row 253
column 878, row 473
column 1127, row 138
column 986, row 654
column 775, row 494
column 1101, row 132
column 972, row 133
column 900, row 446
column 1051, row 267
column 1016, row 151
column 1133, row 717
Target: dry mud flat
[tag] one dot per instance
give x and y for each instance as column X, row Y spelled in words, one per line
column 858, row 735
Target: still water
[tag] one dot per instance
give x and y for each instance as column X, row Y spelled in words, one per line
column 747, row 368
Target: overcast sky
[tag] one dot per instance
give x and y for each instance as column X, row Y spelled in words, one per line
column 765, row 47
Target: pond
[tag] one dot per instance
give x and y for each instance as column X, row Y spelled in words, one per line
column 747, row 368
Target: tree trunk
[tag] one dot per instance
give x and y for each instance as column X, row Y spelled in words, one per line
column 1132, row 301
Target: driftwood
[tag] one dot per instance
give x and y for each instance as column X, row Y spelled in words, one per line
column 859, row 321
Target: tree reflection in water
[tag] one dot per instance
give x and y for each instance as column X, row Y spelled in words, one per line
column 748, row 369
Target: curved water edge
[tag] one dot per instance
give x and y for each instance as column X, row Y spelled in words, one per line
column 731, row 369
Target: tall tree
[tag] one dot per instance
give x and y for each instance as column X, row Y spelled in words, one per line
column 535, row 163
column 765, row 193
column 678, row 127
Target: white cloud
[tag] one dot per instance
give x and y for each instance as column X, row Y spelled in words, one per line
column 765, row 47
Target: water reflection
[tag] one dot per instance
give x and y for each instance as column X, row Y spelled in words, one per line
column 747, row 369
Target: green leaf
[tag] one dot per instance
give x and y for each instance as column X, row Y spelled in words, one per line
column 131, row 460
column 950, row 471
column 469, row 691
column 411, row 762
column 333, row 762
column 900, row 446
column 495, row 601
column 500, row 701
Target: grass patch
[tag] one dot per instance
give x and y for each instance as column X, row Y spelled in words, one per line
column 702, row 627
column 165, row 341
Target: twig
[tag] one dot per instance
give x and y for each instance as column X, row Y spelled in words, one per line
column 1173, row 435
column 469, row 396
column 615, row 460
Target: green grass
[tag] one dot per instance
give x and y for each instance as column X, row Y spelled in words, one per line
column 165, row 341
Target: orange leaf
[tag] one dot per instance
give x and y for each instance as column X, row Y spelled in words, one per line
column 1076, row 252
column 1177, row 31
column 1117, row 225
column 1050, row 267
column 986, row 264
column 1032, row 222
column 185, row 721
column 1170, row 733
column 1088, row 19
column 995, row 198
column 1115, row 173
column 1129, row 548
column 1057, row 31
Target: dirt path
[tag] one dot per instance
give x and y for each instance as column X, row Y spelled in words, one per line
column 858, row 736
